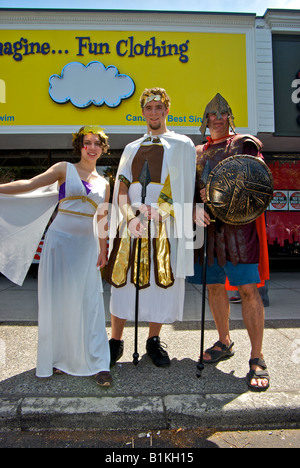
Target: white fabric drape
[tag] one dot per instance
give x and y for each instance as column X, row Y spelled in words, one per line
column 23, row 220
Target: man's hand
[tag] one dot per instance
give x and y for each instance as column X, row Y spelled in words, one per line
column 201, row 217
column 203, row 195
column 136, row 228
column 149, row 212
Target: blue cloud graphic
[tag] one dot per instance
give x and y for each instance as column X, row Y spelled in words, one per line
column 93, row 83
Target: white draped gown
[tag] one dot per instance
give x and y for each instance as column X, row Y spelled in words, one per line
column 71, row 329
column 72, row 334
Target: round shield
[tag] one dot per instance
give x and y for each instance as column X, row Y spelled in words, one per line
column 239, row 189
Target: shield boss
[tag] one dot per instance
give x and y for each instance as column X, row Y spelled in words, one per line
column 239, row 189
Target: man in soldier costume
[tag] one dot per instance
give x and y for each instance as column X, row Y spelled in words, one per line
column 237, row 253
column 165, row 258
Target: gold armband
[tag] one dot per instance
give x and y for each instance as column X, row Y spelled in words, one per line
column 165, row 210
column 127, row 212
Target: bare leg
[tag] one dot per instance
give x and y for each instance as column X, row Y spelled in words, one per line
column 220, row 309
column 117, row 327
column 254, row 317
column 154, row 329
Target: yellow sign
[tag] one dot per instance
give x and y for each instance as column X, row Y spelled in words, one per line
column 55, row 77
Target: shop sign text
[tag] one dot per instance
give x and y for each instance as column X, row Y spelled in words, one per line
column 127, row 47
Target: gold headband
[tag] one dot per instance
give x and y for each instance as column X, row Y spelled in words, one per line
column 95, row 129
column 152, row 97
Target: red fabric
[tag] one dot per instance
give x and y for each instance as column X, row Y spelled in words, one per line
column 210, row 141
column 263, row 266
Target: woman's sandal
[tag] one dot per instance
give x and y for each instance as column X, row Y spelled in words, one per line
column 104, row 379
column 58, row 371
column 258, row 374
column 216, row 355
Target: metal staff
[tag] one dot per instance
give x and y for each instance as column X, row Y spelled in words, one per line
column 200, row 365
column 144, row 179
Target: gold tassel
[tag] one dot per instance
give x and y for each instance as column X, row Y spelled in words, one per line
column 119, row 260
column 162, row 258
column 144, row 276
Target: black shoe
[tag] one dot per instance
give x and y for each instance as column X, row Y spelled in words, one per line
column 155, row 351
column 116, row 350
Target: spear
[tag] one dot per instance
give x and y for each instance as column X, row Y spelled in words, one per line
column 200, row 365
column 144, row 179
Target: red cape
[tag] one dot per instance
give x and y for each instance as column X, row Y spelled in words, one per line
column 263, row 266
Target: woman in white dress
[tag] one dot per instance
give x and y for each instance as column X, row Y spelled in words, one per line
column 72, row 335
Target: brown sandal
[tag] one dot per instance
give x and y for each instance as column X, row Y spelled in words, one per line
column 57, row 371
column 258, row 374
column 216, row 355
column 104, row 379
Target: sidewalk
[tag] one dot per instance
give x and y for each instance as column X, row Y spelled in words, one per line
column 145, row 397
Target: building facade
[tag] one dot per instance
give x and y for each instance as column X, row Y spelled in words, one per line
column 278, row 104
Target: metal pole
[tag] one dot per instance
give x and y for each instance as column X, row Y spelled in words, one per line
column 200, row 365
column 137, row 291
column 144, row 180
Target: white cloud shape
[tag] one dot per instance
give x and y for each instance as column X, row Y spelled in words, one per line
column 93, row 83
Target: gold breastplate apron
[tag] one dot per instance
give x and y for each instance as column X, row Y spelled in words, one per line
column 124, row 252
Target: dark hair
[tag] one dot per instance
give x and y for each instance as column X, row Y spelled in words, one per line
column 78, row 138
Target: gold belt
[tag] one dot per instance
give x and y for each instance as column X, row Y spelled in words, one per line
column 78, row 213
column 81, row 197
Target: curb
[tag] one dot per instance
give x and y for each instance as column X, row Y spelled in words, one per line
column 219, row 411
